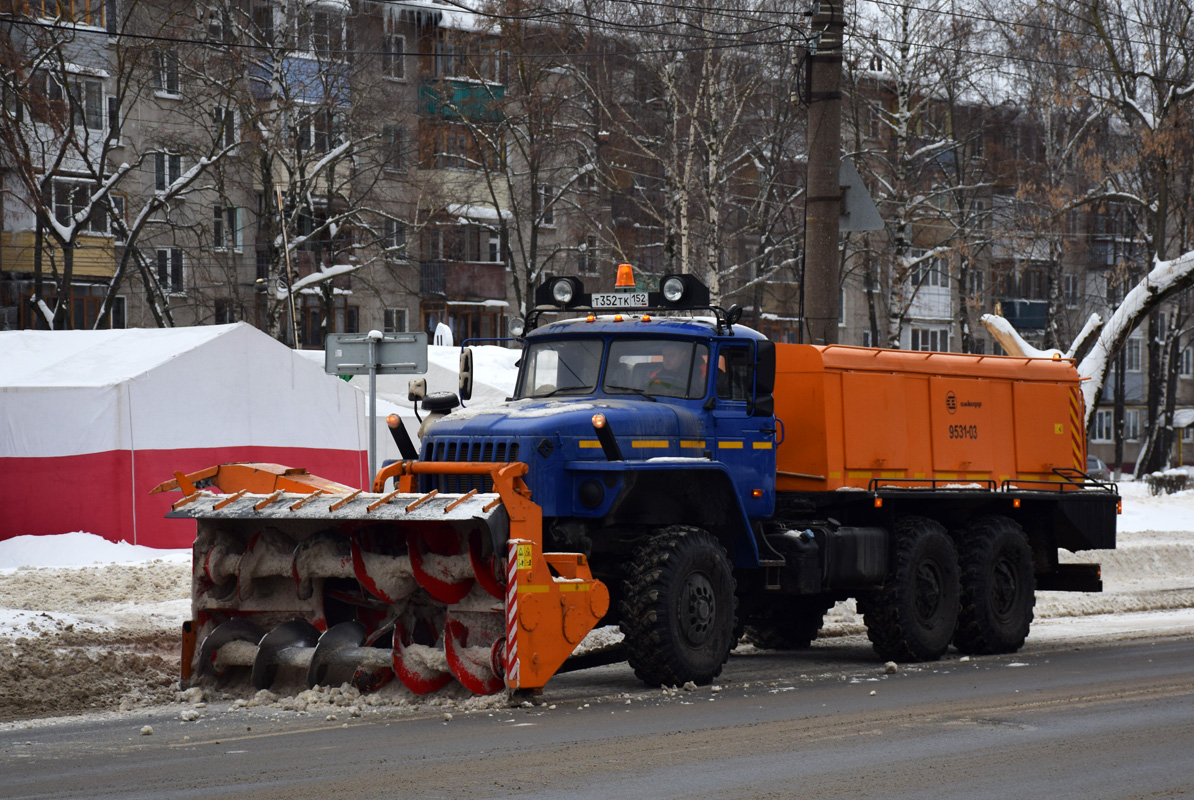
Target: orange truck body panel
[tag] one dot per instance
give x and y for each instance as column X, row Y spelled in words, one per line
column 852, row 415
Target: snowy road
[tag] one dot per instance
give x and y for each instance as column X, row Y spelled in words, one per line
column 1105, row 721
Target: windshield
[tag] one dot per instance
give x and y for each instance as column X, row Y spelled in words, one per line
column 663, row 367
column 564, row 367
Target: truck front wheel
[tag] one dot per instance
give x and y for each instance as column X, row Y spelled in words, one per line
column 678, row 608
column 998, row 587
column 913, row 617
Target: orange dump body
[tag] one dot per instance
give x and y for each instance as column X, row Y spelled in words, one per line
column 852, row 415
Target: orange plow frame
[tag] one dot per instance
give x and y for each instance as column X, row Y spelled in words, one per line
column 546, row 616
column 552, row 601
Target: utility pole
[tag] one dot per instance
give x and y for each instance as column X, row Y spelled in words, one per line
column 823, row 199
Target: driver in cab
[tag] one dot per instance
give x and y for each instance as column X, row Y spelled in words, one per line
column 672, row 377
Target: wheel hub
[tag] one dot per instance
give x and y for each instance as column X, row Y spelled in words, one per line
column 928, row 591
column 1004, row 588
column 698, row 607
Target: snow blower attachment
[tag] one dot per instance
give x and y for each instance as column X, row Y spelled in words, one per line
column 294, row 572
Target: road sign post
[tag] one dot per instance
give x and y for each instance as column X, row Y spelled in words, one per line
column 375, row 353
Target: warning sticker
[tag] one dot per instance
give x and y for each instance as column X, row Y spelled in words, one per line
column 524, row 556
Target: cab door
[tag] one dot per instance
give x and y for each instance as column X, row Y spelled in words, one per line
column 744, row 430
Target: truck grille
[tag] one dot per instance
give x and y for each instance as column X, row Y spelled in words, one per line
column 467, row 450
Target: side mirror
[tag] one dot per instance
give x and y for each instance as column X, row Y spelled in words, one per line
column 416, row 389
column 466, row 374
column 764, row 406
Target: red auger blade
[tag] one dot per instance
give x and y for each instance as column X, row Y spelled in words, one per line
column 421, row 669
column 439, row 565
column 477, row 668
column 483, row 567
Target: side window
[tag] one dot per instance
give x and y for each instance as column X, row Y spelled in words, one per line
column 733, row 374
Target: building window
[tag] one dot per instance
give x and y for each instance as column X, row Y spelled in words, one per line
column 82, row 12
column 219, row 25
column 495, row 247
column 393, row 143
column 72, row 198
column 934, row 339
column 170, row 269
column 866, row 339
column 1186, row 362
column 1103, row 429
column 321, row 31
column 1132, row 355
column 90, row 102
column 547, row 195
column 225, row 312
column 393, row 57
column 1069, row 290
column 225, row 228
column 930, row 272
column 394, row 241
column 316, row 132
column 165, row 72
column 451, row 149
column 445, row 59
column 1131, row 424
column 114, row 119
column 395, row 320
column 586, row 173
column 167, row 168
column 118, row 203
column 587, row 256
column 225, row 126
column 976, row 279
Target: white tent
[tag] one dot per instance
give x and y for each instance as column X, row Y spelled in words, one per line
column 90, row 421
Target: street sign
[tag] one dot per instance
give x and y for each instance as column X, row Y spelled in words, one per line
column 374, row 353
column 858, row 209
column 395, row 354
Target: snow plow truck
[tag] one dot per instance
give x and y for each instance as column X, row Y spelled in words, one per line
column 662, row 468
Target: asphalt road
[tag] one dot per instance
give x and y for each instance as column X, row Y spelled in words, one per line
column 1112, row 720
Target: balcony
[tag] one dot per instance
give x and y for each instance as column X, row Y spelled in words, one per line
column 462, row 280
column 1025, row 315
column 459, row 99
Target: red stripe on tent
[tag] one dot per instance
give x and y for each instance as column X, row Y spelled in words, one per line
column 108, row 493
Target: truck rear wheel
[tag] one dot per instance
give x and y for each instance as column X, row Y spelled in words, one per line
column 791, row 624
column 678, row 608
column 998, row 587
column 913, row 617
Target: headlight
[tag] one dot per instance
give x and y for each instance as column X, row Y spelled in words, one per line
column 518, row 327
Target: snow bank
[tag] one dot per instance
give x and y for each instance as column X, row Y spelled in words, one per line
column 78, row 550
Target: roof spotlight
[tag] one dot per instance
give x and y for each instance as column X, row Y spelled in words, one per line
column 563, row 292
column 673, row 289
column 683, row 291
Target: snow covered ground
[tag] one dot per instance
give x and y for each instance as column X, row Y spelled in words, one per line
column 89, row 625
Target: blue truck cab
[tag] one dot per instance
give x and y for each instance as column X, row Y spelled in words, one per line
column 630, row 422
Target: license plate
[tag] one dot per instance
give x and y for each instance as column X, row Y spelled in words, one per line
column 618, row 299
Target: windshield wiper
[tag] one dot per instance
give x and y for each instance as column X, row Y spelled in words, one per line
column 636, row 390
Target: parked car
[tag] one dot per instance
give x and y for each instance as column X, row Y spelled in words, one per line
column 1096, row 469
